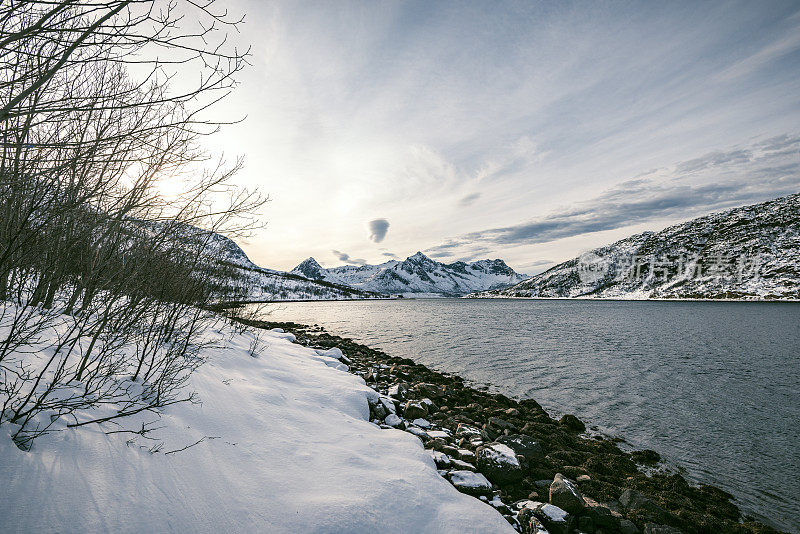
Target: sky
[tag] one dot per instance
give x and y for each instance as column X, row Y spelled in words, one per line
column 527, row 131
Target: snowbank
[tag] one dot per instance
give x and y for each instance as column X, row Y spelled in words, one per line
column 284, row 446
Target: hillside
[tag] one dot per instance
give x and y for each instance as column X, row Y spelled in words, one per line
column 416, row 274
column 752, row 252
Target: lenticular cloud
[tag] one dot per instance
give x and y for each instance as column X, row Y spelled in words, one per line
column 378, row 229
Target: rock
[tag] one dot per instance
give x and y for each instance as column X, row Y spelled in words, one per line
column 460, row 464
column 415, row 410
column 633, row 500
column 467, row 431
column 524, row 445
column 470, row 483
column 646, row 457
column 626, row 526
column 389, row 404
column 441, row 434
column 421, row 434
column 554, row 519
column 565, row 495
column 440, row 459
column 429, row 404
column 398, row 391
column 652, row 528
column 512, row 412
column 584, row 478
column 572, row 423
column 394, row 421
column 529, row 523
column 428, row 390
column 379, row 411
column 602, row 516
column 502, row 424
column 466, row 454
column 422, row 423
column 499, row 463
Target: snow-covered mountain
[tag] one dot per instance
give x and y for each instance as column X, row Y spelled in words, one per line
column 416, row 274
column 254, row 283
column 752, row 252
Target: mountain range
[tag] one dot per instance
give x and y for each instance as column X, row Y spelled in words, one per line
column 752, row 252
column 417, row 274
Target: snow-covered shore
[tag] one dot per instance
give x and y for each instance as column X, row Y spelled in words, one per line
column 281, row 442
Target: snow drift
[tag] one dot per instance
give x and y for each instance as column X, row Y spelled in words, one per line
column 280, row 442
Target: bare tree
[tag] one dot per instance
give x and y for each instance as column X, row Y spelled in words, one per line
column 104, row 282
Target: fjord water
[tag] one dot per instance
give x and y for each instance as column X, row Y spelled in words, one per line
column 713, row 386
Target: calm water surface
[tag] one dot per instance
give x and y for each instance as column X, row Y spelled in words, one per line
column 713, row 386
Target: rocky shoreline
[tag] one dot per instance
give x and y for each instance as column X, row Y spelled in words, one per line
column 541, row 474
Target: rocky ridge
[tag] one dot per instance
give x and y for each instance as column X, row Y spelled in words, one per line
column 542, row 475
column 749, row 253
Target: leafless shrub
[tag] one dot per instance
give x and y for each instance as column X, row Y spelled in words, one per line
column 104, row 282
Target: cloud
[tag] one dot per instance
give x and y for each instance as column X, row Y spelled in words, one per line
column 344, row 257
column 469, row 199
column 378, row 229
column 714, row 181
column 389, row 255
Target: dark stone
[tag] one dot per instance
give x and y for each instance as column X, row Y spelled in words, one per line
column 635, row 501
column 564, row 494
column 415, row 410
column 498, row 465
column 523, row 445
column 646, row 457
column 502, row 424
column 399, row 391
column 572, row 423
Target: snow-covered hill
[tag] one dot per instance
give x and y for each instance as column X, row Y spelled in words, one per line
column 255, row 283
column 416, row 274
column 752, row 252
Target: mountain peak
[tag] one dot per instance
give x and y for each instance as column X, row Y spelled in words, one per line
column 309, row 268
column 311, row 262
column 419, row 256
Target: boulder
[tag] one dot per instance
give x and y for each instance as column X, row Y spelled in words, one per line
column 440, row 459
column 414, row 410
column 502, row 424
column 460, row 464
column 499, row 463
column 529, row 523
column 572, row 423
column 379, row 411
column 524, row 445
column 389, row 404
column 635, row 501
column 470, row 483
column 468, row 431
column 564, row 494
column 394, row 420
column 440, row 434
column 554, row 519
column 466, row 454
column 398, row 391
column 422, row 423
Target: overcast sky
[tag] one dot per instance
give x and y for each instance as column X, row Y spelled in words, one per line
column 524, row 131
